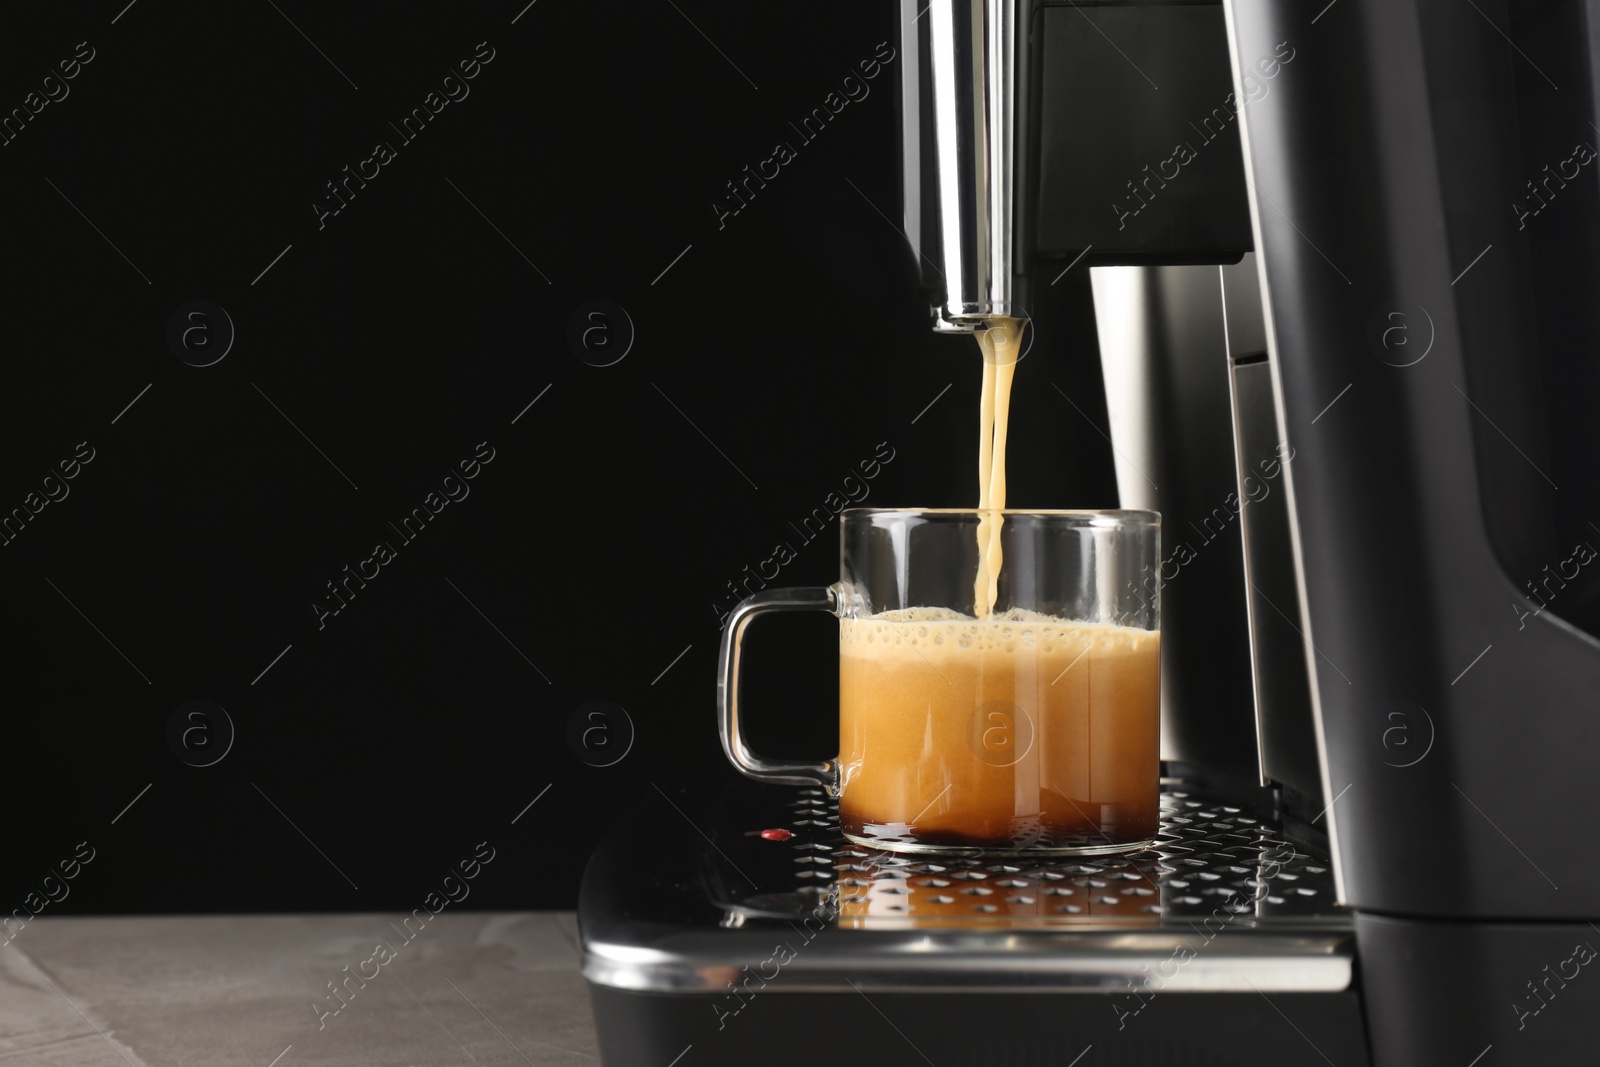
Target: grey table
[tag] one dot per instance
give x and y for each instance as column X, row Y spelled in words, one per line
column 242, row 991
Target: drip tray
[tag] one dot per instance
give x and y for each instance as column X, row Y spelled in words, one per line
column 692, row 899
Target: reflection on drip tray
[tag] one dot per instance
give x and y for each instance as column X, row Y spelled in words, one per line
column 1213, row 866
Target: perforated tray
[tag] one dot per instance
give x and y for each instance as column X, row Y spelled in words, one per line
column 1211, row 860
column 702, row 895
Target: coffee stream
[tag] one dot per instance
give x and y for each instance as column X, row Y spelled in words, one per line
column 999, row 344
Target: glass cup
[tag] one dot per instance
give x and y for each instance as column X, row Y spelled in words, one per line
column 1028, row 726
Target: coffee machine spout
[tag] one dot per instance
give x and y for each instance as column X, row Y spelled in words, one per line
column 965, row 156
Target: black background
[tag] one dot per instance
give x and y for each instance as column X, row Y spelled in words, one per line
column 405, row 330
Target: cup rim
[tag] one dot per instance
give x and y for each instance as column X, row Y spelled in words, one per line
column 1123, row 516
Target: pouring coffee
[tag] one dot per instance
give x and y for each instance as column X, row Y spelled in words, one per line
column 1034, row 727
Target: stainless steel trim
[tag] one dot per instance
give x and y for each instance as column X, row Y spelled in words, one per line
column 910, row 127
column 1121, row 296
column 1239, row 338
column 1164, row 361
column 1288, row 468
column 1095, row 962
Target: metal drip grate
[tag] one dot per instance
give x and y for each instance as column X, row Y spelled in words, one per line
column 1212, row 863
column 1221, row 902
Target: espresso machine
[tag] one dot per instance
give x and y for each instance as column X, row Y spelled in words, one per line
column 1344, row 276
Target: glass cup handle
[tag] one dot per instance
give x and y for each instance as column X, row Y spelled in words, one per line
column 804, row 598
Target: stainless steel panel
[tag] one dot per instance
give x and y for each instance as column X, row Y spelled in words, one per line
column 1286, row 732
column 1163, row 351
